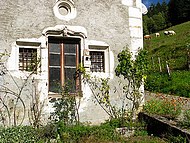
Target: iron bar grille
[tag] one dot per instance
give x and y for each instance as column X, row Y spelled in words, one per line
column 27, row 59
column 97, row 61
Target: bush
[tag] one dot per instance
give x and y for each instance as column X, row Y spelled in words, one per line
column 48, row 132
column 19, row 134
column 79, row 133
column 186, row 119
column 163, row 106
column 176, row 139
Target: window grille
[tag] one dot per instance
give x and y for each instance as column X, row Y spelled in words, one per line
column 97, row 61
column 27, row 59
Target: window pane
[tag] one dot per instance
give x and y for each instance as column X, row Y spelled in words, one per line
column 70, row 78
column 54, row 47
column 70, row 60
column 54, row 79
column 97, row 61
column 70, row 48
column 54, row 60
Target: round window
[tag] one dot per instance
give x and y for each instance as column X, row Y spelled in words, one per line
column 64, row 10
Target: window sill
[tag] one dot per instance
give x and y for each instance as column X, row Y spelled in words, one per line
column 57, row 95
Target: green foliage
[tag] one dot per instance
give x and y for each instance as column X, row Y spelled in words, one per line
column 185, row 122
column 21, row 134
column 177, row 84
column 179, row 11
column 66, row 107
column 160, row 21
column 48, row 131
column 134, row 71
column 166, row 107
column 161, row 16
column 72, row 133
column 156, row 19
column 59, row 132
column 173, row 49
column 176, row 139
column 141, row 133
column 80, row 133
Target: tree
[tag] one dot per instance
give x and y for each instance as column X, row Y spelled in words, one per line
column 145, row 24
column 160, row 21
column 179, row 11
column 151, row 25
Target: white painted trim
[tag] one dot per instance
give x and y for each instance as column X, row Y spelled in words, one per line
column 69, row 6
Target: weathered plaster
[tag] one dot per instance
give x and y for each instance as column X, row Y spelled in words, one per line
column 104, row 23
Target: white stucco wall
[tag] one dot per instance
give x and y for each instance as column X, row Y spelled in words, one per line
column 112, row 24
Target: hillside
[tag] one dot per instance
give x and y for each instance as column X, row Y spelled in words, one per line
column 171, row 48
column 172, row 51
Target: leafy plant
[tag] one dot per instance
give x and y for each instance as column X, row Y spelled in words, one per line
column 134, row 70
column 81, row 133
column 66, row 107
column 177, row 139
column 101, row 91
column 21, row 134
column 185, row 122
column 163, row 106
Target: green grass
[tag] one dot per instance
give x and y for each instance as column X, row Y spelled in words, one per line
column 170, row 48
column 75, row 134
column 173, row 49
column 177, row 84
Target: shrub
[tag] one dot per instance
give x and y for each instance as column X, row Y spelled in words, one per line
column 186, row 119
column 48, row 131
column 79, row 133
column 21, row 134
column 164, row 106
column 176, row 139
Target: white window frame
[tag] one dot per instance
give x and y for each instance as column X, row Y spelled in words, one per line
column 24, row 64
column 27, row 44
column 94, row 45
column 105, row 50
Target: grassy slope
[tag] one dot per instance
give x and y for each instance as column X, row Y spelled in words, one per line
column 170, row 48
column 173, row 49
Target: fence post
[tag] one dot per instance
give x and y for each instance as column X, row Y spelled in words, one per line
column 159, row 64
column 188, row 59
column 168, row 68
column 153, row 63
